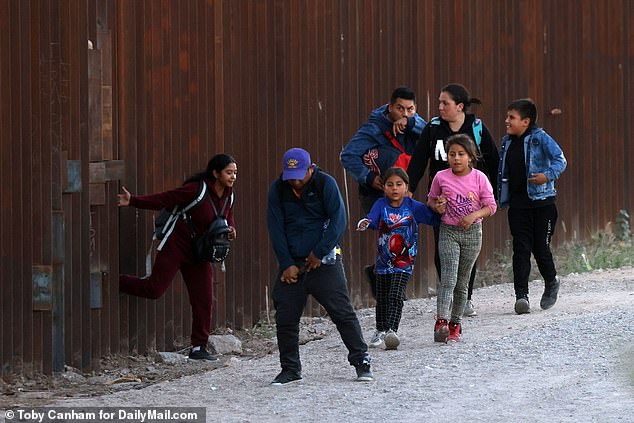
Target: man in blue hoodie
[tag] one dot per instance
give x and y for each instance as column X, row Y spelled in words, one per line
column 387, row 139
column 306, row 219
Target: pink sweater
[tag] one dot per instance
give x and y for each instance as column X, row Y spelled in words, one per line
column 464, row 194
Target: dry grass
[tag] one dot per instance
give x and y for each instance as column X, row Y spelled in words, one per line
column 610, row 248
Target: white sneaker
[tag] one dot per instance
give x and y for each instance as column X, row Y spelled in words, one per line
column 469, row 309
column 391, row 340
column 377, row 339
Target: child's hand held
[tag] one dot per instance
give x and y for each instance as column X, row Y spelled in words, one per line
column 441, row 204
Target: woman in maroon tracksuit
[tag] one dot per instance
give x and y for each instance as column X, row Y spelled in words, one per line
column 177, row 253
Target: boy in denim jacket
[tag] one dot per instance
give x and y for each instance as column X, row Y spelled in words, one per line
column 530, row 162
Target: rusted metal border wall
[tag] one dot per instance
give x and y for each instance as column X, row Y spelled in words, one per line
column 163, row 85
column 44, row 255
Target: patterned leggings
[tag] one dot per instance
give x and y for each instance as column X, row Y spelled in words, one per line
column 458, row 249
column 390, row 293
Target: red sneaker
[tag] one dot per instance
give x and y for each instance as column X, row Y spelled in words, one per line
column 455, row 332
column 441, row 331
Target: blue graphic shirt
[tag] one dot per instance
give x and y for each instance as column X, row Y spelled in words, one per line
column 397, row 242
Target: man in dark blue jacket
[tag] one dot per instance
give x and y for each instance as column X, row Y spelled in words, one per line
column 306, row 219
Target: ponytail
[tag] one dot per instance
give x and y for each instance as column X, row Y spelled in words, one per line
column 460, row 94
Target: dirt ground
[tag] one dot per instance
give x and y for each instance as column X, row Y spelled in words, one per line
column 125, row 372
column 572, row 363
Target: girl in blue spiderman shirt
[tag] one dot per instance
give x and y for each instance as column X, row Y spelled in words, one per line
column 396, row 217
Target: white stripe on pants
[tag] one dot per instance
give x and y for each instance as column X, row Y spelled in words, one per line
column 458, row 249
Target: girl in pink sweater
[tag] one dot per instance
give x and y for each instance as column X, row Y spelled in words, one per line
column 463, row 196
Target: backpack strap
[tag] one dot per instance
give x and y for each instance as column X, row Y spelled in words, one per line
column 320, row 182
column 477, row 132
column 224, row 206
column 188, row 218
column 201, row 194
column 182, row 213
column 170, row 224
column 403, row 159
column 394, row 142
column 318, row 179
column 476, row 126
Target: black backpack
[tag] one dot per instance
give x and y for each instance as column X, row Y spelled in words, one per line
column 213, row 246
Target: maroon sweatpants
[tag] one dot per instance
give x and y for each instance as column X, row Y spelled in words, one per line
column 198, row 277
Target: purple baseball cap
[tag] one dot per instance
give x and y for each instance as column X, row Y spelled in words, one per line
column 295, row 164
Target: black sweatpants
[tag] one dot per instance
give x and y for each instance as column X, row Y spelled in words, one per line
column 328, row 285
column 532, row 230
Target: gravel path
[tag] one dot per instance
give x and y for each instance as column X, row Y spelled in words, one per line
column 573, row 363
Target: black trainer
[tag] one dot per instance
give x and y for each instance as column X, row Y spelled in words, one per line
column 549, row 298
column 202, row 354
column 285, row 377
column 364, row 372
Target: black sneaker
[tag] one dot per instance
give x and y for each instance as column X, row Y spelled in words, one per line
column 286, row 377
column 522, row 306
column 549, row 298
column 202, row 354
column 364, row 373
column 370, row 277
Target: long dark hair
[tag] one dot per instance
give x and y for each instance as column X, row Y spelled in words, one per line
column 217, row 163
column 460, row 94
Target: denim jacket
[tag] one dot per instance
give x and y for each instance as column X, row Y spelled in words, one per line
column 543, row 155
